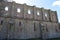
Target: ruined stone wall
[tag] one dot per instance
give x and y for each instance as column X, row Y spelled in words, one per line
column 21, row 21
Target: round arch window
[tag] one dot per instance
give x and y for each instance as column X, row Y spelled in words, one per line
column 29, row 11
column 6, row 8
column 18, row 10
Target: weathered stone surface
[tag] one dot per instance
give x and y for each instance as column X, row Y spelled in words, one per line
column 24, row 24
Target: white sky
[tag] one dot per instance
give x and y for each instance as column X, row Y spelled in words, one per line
column 56, row 3
column 24, row 1
column 20, row 1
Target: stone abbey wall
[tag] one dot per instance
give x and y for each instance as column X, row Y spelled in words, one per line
column 20, row 21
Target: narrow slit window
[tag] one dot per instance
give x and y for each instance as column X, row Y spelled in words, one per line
column 46, row 29
column 59, row 27
column 11, row 24
column 34, row 26
column 56, row 28
column 1, row 22
column 19, row 23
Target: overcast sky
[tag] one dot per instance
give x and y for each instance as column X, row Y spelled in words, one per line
column 47, row 4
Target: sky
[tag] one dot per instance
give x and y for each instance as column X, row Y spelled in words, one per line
column 47, row 4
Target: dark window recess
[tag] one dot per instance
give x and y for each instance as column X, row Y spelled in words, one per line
column 1, row 22
column 56, row 29
column 19, row 23
column 10, row 25
column 46, row 29
column 34, row 27
column 49, row 18
column 59, row 27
